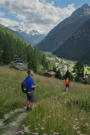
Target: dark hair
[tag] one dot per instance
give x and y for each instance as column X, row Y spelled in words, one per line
column 29, row 71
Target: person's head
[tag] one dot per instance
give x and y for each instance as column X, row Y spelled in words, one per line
column 30, row 72
column 67, row 78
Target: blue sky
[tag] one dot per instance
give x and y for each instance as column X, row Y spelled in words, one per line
column 40, row 15
column 6, row 14
column 64, row 3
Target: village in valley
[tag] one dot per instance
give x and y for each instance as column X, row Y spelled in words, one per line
column 67, row 65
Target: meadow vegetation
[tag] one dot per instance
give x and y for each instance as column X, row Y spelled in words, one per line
column 10, row 94
column 56, row 112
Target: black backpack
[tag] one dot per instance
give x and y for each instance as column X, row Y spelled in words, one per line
column 24, row 86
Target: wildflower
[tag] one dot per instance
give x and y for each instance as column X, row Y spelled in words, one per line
column 64, row 93
column 36, row 128
column 26, row 130
column 42, row 128
column 20, row 132
column 82, row 118
column 51, row 130
column 44, row 134
column 43, row 120
column 64, row 118
column 82, row 134
column 56, row 133
column 79, row 132
column 76, row 119
column 39, row 124
column 75, row 127
column 87, row 124
column 35, row 133
column 29, row 126
column 49, row 116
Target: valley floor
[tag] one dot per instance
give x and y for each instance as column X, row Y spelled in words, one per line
column 55, row 112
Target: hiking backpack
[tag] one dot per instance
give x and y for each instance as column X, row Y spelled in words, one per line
column 24, row 86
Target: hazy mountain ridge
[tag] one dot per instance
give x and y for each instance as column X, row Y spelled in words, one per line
column 32, row 37
column 65, row 29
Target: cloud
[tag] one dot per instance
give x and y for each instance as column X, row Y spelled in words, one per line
column 7, row 22
column 36, row 14
column 1, row 14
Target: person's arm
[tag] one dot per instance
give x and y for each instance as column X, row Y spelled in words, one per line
column 33, row 85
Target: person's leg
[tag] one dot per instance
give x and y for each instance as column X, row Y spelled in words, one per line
column 30, row 98
column 67, row 87
column 28, row 102
column 30, row 105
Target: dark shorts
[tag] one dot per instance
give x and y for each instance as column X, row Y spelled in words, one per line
column 30, row 96
column 67, row 86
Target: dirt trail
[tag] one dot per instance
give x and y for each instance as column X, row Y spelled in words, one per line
column 12, row 127
column 13, row 112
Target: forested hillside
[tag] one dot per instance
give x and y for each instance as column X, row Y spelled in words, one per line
column 11, row 45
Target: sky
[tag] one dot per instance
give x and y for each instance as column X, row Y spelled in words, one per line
column 37, row 15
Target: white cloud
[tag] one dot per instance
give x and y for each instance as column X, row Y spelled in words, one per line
column 7, row 22
column 1, row 14
column 36, row 14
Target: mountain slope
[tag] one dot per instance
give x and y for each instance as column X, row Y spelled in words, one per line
column 77, row 47
column 65, row 29
column 30, row 38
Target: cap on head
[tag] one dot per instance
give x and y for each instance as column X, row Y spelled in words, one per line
column 30, row 72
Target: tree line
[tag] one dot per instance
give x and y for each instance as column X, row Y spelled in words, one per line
column 76, row 75
column 11, row 45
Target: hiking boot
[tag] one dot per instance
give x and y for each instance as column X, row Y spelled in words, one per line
column 28, row 109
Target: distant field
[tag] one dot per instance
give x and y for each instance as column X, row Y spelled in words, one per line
column 56, row 112
column 87, row 71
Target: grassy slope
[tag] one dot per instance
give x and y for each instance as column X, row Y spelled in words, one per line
column 10, row 94
column 56, row 111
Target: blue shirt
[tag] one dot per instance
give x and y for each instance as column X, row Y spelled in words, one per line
column 29, row 83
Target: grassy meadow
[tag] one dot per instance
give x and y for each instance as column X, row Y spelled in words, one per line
column 10, row 93
column 56, row 112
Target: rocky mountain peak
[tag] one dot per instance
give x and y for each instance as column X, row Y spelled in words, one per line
column 82, row 11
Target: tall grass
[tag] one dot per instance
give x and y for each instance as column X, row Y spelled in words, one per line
column 60, row 112
column 10, row 92
column 56, row 113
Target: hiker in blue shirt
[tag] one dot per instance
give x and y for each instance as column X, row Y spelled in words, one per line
column 30, row 84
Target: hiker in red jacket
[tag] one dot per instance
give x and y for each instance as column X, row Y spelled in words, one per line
column 67, row 83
